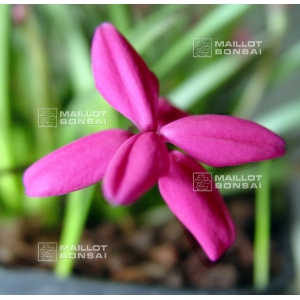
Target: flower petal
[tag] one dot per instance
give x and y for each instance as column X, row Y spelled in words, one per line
column 204, row 213
column 74, row 166
column 135, row 168
column 223, row 140
column 123, row 78
column 168, row 113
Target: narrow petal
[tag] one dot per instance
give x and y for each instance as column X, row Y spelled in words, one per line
column 135, row 168
column 74, row 166
column 168, row 113
column 123, row 78
column 204, row 213
column 223, row 140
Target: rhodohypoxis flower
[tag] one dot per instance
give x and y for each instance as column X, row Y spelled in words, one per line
column 130, row 164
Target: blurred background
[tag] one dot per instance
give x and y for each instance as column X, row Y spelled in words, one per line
column 45, row 63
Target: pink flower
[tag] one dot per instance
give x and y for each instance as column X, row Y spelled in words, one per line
column 130, row 164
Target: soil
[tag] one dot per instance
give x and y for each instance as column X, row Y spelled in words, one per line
column 163, row 254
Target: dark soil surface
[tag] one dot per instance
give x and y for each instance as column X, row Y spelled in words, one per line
column 154, row 254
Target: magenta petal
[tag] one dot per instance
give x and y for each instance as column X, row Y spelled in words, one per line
column 123, row 78
column 74, row 166
column 135, row 168
column 223, row 140
column 168, row 113
column 204, row 214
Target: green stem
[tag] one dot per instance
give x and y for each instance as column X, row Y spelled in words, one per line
column 78, row 204
column 261, row 264
column 8, row 183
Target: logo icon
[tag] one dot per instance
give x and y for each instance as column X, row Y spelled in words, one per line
column 202, row 47
column 202, row 182
column 47, row 117
column 47, row 251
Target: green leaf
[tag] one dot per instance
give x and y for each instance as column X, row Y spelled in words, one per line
column 77, row 48
column 78, row 205
column 120, row 16
column 206, row 80
column 149, row 29
column 8, row 182
column 288, row 63
column 282, row 119
column 261, row 263
column 216, row 20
